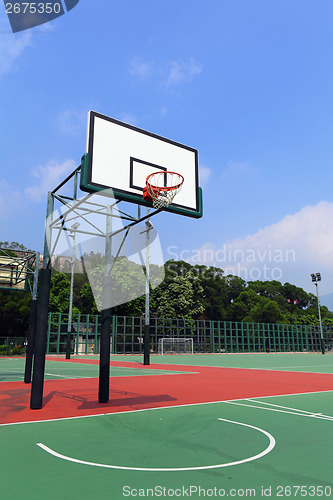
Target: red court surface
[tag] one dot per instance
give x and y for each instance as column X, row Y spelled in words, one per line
column 79, row 397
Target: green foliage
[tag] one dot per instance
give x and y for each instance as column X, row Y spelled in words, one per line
column 128, row 281
column 3, row 350
column 14, row 313
column 180, row 297
column 14, row 245
column 16, row 350
column 86, row 300
column 59, row 294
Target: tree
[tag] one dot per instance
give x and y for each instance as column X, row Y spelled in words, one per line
column 178, row 298
column 59, row 293
column 14, row 305
column 128, row 286
column 86, row 300
column 14, row 245
column 14, row 313
column 215, row 296
column 267, row 311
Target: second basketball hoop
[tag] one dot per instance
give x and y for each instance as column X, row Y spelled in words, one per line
column 161, row 188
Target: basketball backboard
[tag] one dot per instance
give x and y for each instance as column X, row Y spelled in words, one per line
column 120, row 156
column 13, row 273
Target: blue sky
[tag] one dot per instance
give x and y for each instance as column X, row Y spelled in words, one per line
column 248, row 83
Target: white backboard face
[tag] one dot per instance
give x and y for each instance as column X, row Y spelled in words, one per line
column 121, row 157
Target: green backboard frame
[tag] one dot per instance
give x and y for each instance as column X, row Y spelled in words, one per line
column 120, row 157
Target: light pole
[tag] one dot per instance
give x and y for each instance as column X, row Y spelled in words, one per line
column 69, row 325
column 146, row 332
column 315, row 279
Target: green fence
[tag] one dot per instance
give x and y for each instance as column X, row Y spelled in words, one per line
column 208, row 336
column 12, row 346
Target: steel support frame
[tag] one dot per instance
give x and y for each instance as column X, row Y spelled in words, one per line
column 74, row 210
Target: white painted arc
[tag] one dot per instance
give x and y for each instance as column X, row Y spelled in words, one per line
column 267, row 450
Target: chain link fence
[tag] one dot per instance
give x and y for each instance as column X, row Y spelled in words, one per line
column 208, row 336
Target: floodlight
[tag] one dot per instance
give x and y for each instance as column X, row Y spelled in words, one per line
column 149, row 224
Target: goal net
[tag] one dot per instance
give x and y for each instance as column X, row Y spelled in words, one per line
column 175, row 346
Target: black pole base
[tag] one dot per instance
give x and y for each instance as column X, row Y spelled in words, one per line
column 104, row 364
column 322, row 346
column 31, row 340
column 146, row 345
column 36, row 399
column 68, row 345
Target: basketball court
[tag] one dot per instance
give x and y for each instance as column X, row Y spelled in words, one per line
column 223, row 422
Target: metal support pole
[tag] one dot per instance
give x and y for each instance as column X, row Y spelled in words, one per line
column 32, row 325
column 104, row 364
column 146, row 335
column 320, row 324
column 69, row 325
column 70, row 312
column 36, row 399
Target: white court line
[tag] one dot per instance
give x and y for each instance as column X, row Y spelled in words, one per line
column 130, row 370
column 297, row 366
column 66, row 376
column 274, row 368
column 295, row 412
column 310, row 413
column 284, row 407
column 159, row 408
column 269, row 448
column 12, row 370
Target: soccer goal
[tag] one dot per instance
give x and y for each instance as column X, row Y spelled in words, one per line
column 175, row 346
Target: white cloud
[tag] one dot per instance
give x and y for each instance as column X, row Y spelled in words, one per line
column 11, row 47
column 71, row 121
column 288, row 250
column 238, row 169
column 204, row 174
column 172, row 74
column 180, row 72
column 140, row 68
column 128, row 118
column 48, row 177
column 11, row 200
column 47, row 28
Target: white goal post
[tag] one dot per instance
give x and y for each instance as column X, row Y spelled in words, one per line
column 175, row 345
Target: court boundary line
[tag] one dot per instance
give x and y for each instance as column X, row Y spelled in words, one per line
column 296, row 412
column 160, row 408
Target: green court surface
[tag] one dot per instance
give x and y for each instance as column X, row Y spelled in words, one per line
column 273, row 445
column 302, row 362
column 12, row 369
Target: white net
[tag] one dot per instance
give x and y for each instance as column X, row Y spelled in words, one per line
column 175, row 346
column 163, row 186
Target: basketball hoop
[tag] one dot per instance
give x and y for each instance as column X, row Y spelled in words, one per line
column 162, row 187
